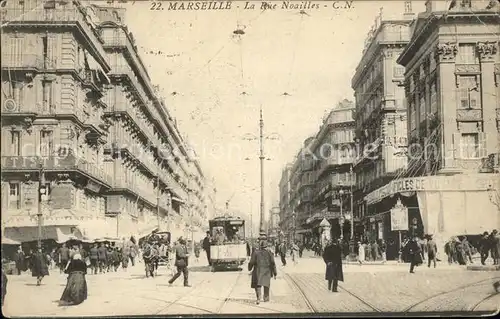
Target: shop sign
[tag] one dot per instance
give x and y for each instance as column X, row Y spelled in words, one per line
column 399, row 217
column 432, row 183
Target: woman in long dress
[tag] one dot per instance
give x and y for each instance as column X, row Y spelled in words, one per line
column 361, row 253
column 76, row 286
column 40, row 266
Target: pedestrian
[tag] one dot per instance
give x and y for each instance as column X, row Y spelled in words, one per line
column 282, row 253
column 361, row 253
column 94, row 259
column 449, row 249
column 133, row 251
column 102, row 258
column 332, row 255
column 294, row 251
column 460, row 252
column 63, row 257
column 263, row 267
column 431, row 251
column 484, row 247
column 301, row 249
column 495, row 247
column 39, row 266
column 181, row 262
column 375, row 249
column 117, row 259
column 124, row 256
column 383, row 251
column 466, row 246
column 109, row 258
column 20, row 260
column 206, row 247
column 413, row 249
column 368, row 251
column 76, row 285
column 276, row 248
column 4, row 286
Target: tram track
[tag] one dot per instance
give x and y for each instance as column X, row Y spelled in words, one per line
column 480, row 302
column 421, row 302
column 302, row 293
column 375, row 309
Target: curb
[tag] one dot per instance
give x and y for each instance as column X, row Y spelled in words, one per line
column 483, row 268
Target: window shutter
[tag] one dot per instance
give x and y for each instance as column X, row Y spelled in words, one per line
column 485, row 142
column 456, row 145
column 5, row 196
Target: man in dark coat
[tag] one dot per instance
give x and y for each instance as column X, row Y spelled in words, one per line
column 431, row 251
column 495, row 247
column 414, row 253
column 484, row 247
column 332, row 255
column 282, row 252
column 20, row 258
column 263, row 268
column 375, row 250
column 102, row 257
column 94, row 259
column 40, row 267
column 181, row 262
column 206, row 247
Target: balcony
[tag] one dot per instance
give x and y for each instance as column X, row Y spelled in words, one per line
column 28, row 62
column 55, row 163
column 56, row 18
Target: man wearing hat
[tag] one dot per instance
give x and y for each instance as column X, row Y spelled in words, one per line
column 181, row 262
column 263, row 268
column 431, row 251
column 206, row 247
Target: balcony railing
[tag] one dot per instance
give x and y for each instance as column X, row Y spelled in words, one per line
column 27, row 61
column 13, row 163
column 54, row 17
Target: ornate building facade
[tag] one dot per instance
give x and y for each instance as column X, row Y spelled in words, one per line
column 381, row 129
column 334, row 151
column 452, row 76
column 80, row 116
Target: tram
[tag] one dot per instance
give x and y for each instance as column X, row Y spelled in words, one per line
column 228, row 247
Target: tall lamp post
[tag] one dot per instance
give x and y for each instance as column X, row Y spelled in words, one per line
column 341, row 219
column 262, row 230
column 42, row 191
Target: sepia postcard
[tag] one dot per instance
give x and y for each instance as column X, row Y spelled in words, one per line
column 250, row 158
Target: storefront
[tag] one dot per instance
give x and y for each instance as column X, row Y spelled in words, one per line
column 443, row 206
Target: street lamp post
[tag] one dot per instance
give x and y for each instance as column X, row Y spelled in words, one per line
column 261, row 157
column 341, row 219
column 41, row 192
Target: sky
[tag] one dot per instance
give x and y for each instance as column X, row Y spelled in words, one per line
column 203, row 69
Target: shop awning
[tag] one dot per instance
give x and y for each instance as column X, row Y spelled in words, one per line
column 60, row 234
column 145, row 231
column 8, row 241
column 93, row 230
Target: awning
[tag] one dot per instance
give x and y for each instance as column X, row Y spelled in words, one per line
column 96, row 230
column 146, row 231
column 60, row 234
column 8, row 241
column 177, row 199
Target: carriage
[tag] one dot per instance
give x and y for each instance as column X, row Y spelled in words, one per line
column 160, row 255
column 228, row 248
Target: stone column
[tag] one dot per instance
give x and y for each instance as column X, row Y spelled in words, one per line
column 445, row 54
column 489, row 101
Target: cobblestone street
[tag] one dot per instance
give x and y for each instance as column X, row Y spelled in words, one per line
column 130, row 293
column 391, row 288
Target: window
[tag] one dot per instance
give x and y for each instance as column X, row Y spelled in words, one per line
column 413, row 115
column 14, row 195
column 468, row 93
column 469, row 145
column 47, row 95
column 433, row 98
column 467, row 54
column 46, row 143
column 15, row 143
